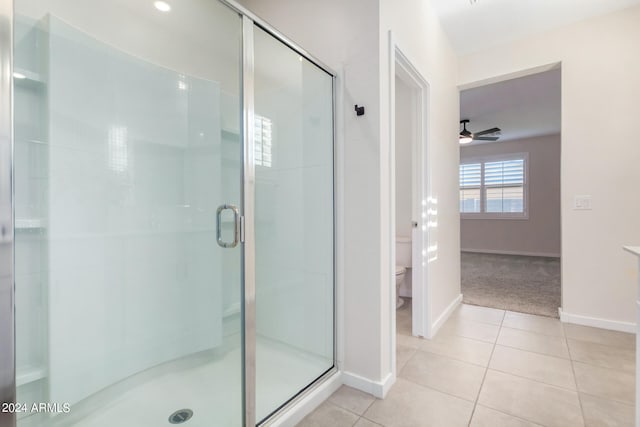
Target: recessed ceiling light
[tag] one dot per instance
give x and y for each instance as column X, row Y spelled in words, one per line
column 17, row 75
column 162, row 6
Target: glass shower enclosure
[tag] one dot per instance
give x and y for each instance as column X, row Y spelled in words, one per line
column 167, row 213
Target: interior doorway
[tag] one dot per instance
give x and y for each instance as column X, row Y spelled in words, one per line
column 405, row 141
column 510, row 144
column 408, row 189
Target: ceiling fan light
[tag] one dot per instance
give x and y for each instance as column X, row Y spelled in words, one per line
column 465, row 139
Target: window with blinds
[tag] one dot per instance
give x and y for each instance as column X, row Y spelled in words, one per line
column 494, row 187
column 262, row 141
column 470, row 183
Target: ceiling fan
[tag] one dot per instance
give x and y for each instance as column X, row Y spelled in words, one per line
column 467, row 137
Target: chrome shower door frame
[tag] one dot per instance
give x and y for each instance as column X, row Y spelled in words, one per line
column 249, row 20
column 7, row 296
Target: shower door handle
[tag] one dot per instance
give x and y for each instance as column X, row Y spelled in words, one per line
column 236, row 226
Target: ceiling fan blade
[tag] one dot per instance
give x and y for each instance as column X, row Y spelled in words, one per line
column 486, row 131
column 486, row 138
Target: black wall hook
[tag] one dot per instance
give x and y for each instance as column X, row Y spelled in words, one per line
column 359, row 110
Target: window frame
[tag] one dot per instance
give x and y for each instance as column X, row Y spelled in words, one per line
column 524, row 215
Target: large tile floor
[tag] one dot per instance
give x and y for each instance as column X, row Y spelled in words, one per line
column 489, row 367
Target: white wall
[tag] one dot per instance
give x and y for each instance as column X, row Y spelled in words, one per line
column 405, row 125
column 419, row 35
column 600, row 86
column 539, row 233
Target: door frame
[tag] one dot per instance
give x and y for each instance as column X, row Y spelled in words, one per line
column 7, row 231
column 402, row 66
column 314, row 393
column 557, row 65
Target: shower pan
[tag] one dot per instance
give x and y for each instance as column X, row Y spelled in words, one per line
column 166, row 215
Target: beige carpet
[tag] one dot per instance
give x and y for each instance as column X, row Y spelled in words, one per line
column 511, row 282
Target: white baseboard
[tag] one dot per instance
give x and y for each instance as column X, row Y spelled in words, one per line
column 309, row 403
column 522, row 253
column 378, row 389
column 445, row 315
column 596, row 322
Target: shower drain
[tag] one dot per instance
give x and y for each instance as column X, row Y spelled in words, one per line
column 180, row 416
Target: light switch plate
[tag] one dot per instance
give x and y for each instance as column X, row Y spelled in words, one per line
column 582, row 203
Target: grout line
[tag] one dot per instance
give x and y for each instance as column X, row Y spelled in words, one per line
column 529, row 331
column 486, row 370
column 400, row 369
column 523, row 314
column 371, row 421
column 621, row 402
column 536, row 381
column 593, row 365
column 455, row 334
column 370, row 405
column 355, row 413
column 329, row 402
column 535, row 423
column 430, row 388
column 349, row 410
column 620, row 347
column 472, row 339
column 471, row 319
column 461, row 318
column 346, row 409
column 534, row 352
column 454, row 358
column 575, row 377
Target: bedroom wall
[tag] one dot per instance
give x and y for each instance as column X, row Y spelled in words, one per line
column 539, row 233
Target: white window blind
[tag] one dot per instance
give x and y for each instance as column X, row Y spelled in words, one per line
column 504, row 186
column 470, row 183
column 494, row 186
column 262, row 141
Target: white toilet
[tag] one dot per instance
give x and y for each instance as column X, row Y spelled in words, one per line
column 403, row 261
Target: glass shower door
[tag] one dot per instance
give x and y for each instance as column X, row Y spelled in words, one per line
column 127, row 140
column 293, row 150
